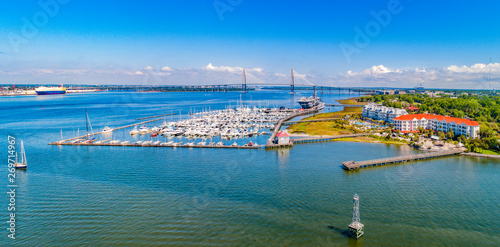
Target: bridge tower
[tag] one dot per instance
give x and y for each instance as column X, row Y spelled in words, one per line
column 244, row 82
column 292, row 84
column 356, row 228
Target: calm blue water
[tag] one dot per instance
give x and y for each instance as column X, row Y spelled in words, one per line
column 130, row 196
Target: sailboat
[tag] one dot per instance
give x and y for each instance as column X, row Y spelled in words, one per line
column 87, row 120
column 23, row 164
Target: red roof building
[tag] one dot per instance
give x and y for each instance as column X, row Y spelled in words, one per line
column 282, row 134
column 283, row 137
column 412, row 108
column 459, row 126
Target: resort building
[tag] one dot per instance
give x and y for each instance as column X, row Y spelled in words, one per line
column 460, row 126
column 380, row 112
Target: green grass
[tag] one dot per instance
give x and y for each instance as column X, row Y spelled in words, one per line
column 351, row 101
column 487, row 151
column 338, row 114
column 371, row 139
column 325, row 128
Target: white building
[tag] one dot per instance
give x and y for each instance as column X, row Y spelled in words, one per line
column 460, row 126
column 380, row 112
column 283, row 137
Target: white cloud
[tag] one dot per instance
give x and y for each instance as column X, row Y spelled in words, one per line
column 476, row 68
column 222, row 68
column 373, row 71
column 229, row 69
column 475, row 76
column 44, row 71
column 454, row 76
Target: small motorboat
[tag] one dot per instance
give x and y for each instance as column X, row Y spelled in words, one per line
column 107, row 130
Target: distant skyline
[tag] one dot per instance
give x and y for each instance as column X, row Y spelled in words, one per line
column 390, row 43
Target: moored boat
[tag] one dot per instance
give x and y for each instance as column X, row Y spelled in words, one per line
column 23, row 164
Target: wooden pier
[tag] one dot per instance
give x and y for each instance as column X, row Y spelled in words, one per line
column 342, row 105
column 327, row 138
column 277, row 128
column 152, row 145
column 355, row 165
column 142, row 118
column 310, row 121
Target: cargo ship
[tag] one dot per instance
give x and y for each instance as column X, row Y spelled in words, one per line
column 50, row 90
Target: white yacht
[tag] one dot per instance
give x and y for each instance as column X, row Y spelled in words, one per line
column 143, row 130
column 134, row 131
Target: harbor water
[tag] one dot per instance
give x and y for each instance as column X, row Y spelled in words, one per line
column 149, row 196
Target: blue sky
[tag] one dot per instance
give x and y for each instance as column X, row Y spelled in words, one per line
column 119, row 42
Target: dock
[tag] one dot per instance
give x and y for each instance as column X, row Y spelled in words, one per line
column 355, row 165
column 326, row 138
column 270, row 143
column 63, row 142
column 310, row 121
column 342, row 105
column 142, row 118
column 152, row 145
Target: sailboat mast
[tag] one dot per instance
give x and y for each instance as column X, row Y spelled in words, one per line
column 87, row 122
column 24, row 154
column 244, row 82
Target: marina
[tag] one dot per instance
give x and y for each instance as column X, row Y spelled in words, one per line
column 250, row 123
column 221, row 196
column 228, row 124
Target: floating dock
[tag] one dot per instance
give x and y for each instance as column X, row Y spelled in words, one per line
column 355, row 165
column 153, row 145
column 142, row 118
